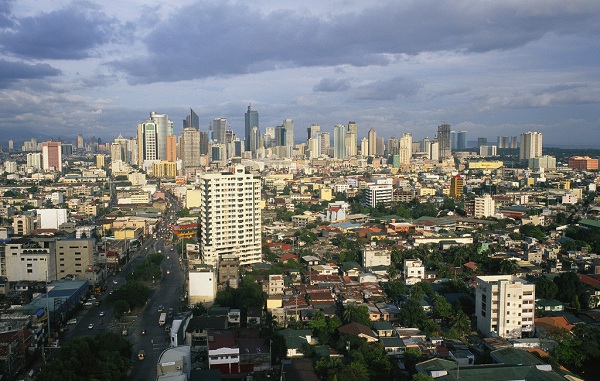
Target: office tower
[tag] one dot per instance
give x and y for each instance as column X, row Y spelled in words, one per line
column 484, row 206
column 219, row 127
column 204, row 142
column 325, row 143
column 339, row 141
column 434, row 150
column 192, row 120
column 313, row 131
column 116, row 152
column 531, row 145
column 164, row 128
column 461, row 142
column 453, row 140
column 353, row 133
column 502, row 142
column 481, row 142
column 314, row 148
column 66, row 149
column 443, row 138
column 504, row 306
column 80, row 143
column 152, row 137
column 132, row 151
column 364, row 146
column 34, row 160
column 405, row 149
column 426, row 146
column 487, row 151
column 124, row 153
column 251, row 121
column 171, row 148
column 230, row 216
column 238, row 146
column 457, row 185
column 189, row 150
column 392, row 147
column 11, row 144
column 289, row 132
column 269, row 137
column 51, row 156
column 379, row 146
column 280, row 136
column 372, row 136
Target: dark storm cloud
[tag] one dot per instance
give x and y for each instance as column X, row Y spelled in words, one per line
column 332, row 85
column 224, row 39
column 388, row 89
column 68, row 33
column 11, row 72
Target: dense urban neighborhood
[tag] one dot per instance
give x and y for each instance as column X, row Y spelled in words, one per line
column 207, row 257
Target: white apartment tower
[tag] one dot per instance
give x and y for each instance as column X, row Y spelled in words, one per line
column 484, row 206
column 230, row 216
column 405, row 149
column 504, row 306
column 530, row 145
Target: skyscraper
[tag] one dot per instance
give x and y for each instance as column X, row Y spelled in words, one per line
column 218, row 127
column 192, row 120
column 189, row 149
column 443, row 138
column 372, row 143
column 313, row 131
column 289, row 132
column 531, row 145
column 164, row 128
column 146, row 142
column 339, row 141
column 405, row 150
column 461, row 143
column 171, row 148
column 353, row 136
column 51, row 156
column 325, row 143
column 230, row 217
column 251, row 119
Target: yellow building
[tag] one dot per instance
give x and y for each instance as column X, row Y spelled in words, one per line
column 193, row 198
column 457, row 185
column 492, row 164
column 426, row 192
column 123, row 234
column 165, row 169
column 326, row 194
column 100, row 161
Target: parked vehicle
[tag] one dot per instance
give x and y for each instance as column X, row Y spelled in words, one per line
column 72, row 321
column 162, row 319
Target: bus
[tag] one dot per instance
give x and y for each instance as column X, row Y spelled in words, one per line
column 162, row 319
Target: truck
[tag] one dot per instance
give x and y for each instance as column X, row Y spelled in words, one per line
column 162, row 319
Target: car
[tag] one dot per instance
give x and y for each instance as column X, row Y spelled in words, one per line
column 91, row 326
column 144, row 331
column 101, row 313
column 111, row 292
column 168, row 257
column 115, row 282
column 88, row 303
column 168, row 272
column 72, row 321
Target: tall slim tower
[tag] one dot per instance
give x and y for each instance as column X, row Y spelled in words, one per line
column 251, row 119
column 443, row 138
column 219, row 126
column 461, row 140
column 289, row 132
column 339, row 141
column 230, row 216
column 164, row 128
column 325, row 143
column 405, row 150
column 192, row 120
column 353, row 136
column 372, row 143
column 531, row 145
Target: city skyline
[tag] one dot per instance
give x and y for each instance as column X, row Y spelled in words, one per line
column 98, row 68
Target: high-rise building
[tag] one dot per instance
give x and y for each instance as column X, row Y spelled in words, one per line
column 251, row 121
column 313, row 131
column 339, row 141
column 364, row 146
column 80, row 144
column 192, row 120
column 457, row 185
column 487, row 151
column 453, row 140
column 461, row 142
column 51, row 156
column 204, row 142
column 353, row 133
column 531, row 145
column 392, row 147
column 484, row 206
column 289, row 132
column 443, row 138
column 164, row 128
column 230, row 216
column 218, row 127
column 405, row 150
column 379, row 193
column 152, row 137
column 189, row 150
column 372, row 136
column 325, row 143
column 171, row 148
column 280, row 136
column 34, row 160
column 504, row 306
column 584, row 163
column 481, row 142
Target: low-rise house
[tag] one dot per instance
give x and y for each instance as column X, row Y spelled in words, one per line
column 384, row 329
column 295, row 339
column 359, row 330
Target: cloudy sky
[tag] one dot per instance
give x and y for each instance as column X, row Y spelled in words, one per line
column 489, row 67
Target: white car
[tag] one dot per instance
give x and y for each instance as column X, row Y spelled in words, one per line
column 101, row 313
column 115, row 282
column 91, row 326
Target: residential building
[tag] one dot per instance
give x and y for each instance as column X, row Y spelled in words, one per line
column 414, row 271
column 484, row 206
column 530, row 145
column 376, row 257
column 230, row 216
column 443, row 138
column 457, row 185
column 201, row 285
column 51, row 156
column 379, row 193
column 504, row 306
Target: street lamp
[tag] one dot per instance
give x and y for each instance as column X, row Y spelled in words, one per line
column 270, row 355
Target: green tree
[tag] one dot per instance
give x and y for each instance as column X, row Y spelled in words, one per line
column 354, row 313
column 546, row 289
column 461, row 326
column 569, row 286
column 121, row 307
